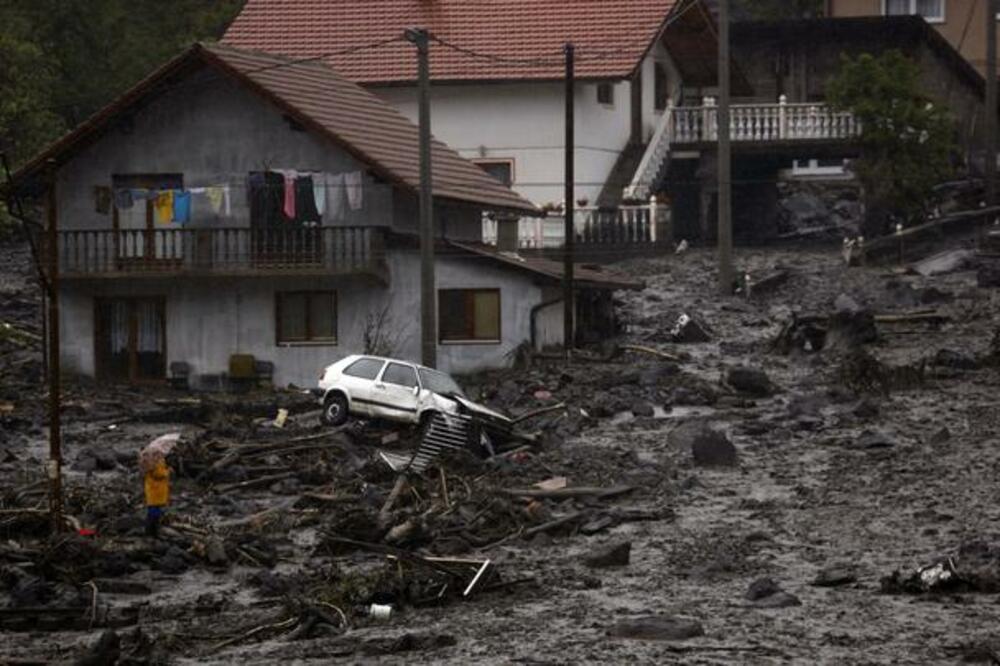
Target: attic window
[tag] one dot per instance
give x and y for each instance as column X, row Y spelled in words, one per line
column 606, row 94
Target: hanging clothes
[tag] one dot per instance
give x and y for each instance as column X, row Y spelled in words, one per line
column 164, row 206
column 288, row 207
column 102, row 199
column 265, row 197
column 353, row 184
column 334, row 187
column 182, row 206
column 319, row 192
column 215, row 196
column 305, row 200
column 123, row 199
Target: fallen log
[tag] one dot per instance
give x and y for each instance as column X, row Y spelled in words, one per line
column 554, row 524
column 538, row 412
column 253, row 482
column 652, row 352
column 569, row 493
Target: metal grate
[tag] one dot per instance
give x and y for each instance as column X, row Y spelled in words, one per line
column 445, row 432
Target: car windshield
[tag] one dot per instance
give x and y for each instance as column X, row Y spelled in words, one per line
column 438, row 382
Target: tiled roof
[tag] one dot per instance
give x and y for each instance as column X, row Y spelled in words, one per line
column 584, row 276
column 610, row 36
column 315, row 96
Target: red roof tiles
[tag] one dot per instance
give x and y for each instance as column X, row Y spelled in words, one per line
column 315, row 96
column 610, row 36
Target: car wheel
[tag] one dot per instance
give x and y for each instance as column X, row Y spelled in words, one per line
column 335, row 410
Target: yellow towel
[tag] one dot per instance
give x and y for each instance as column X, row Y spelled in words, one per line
column 164, row 206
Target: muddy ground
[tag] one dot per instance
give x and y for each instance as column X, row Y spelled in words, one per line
column 845, row 471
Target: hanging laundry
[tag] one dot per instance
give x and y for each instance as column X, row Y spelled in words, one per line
column 353, row 183
column 334, row 186
column 225, row 200
column 215, row 196
column 124, row 199
column 139, row 194
column 182, row 206
column 305, row 200
column 288, row 207
column 319, row 192
column 102, row 199
column 164, row 206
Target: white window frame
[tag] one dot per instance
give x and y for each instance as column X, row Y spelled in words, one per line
column 484, row 161
column 913, row 11
column 597, row 93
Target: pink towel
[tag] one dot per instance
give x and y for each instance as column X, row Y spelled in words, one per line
column 289, row 206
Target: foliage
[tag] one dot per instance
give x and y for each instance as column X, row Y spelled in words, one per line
column 906, row 140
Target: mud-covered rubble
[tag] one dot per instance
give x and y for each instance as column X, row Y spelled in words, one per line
column 726, row 494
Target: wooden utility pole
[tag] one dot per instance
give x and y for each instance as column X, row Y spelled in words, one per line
column 428, row 295
column 990, row 170
column 569, row 230
column 55, row 430
column 725, row 158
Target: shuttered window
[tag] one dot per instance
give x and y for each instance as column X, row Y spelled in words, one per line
column 469, row 315
column 306, row 316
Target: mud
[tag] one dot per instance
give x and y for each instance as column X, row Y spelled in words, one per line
column 832, row 490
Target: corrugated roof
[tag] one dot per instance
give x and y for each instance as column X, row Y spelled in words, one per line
column 610, row 36
column 583, row 275
column 318, row 98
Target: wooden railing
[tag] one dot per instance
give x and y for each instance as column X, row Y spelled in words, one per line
column 232, row 250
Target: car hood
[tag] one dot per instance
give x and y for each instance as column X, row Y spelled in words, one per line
column 476, row 408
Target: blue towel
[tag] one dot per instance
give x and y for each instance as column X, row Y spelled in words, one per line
column 182, row 206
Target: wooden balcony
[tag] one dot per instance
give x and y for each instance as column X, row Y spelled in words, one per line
column 233, row 251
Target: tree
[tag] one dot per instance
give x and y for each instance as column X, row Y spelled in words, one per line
column 775, row 10
column 907, row 141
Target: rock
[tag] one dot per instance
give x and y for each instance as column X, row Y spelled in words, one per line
column 835, row 576
column 933, row 295
column 762, row 587
column 215, row 552
column 689, row 330
column 873, row 439
column 844, row 303
column 657, row 373
column 940, row 437
column 107, row 650
column 943, row 262
column 657, row 628
column 683, row 396
column 643, row 409
column 711, row 448
column 617, row 555
column 950, row 358
column 779, row 599
column 849, row 329
column 174, row 561
column 865, row 409
column 750, row 380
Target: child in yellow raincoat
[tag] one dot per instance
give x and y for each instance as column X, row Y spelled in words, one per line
column 157, row 487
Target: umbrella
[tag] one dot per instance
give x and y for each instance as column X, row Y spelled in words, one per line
column 158, row 449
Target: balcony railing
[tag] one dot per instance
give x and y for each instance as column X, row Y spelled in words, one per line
column 230, row 251
column 627, row 225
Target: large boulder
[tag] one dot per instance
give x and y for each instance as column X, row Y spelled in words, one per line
column 657, row 628
column 752, row 381
column 709, row 447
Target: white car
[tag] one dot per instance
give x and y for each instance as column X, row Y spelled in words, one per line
column 395, row 390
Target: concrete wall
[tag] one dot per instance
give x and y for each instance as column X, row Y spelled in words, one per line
column 207, row 320
column 525, row 122
column 963, row 24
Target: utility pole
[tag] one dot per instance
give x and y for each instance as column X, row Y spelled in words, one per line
column 990, row 170
column 428, row 295
column 55, row 431
column 725, row 159
column 570, row 231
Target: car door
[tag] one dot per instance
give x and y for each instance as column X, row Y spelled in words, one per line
column 358, row 380
column 394, row 393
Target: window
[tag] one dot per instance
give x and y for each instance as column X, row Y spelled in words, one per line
column 469, row 315
column 661, row 87
column 438, row 382
column 606, row 93
column 400, row 375
column 931, row 10
column 306, row 316
column 364, row 368
column 502, row 170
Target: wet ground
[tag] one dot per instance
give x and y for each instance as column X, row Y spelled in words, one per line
column 829, row 486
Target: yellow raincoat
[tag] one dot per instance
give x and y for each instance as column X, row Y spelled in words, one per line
column 157, row 485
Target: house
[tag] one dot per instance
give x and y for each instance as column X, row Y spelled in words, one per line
column 497, row 72
column 961, row 22
column 238, row 205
